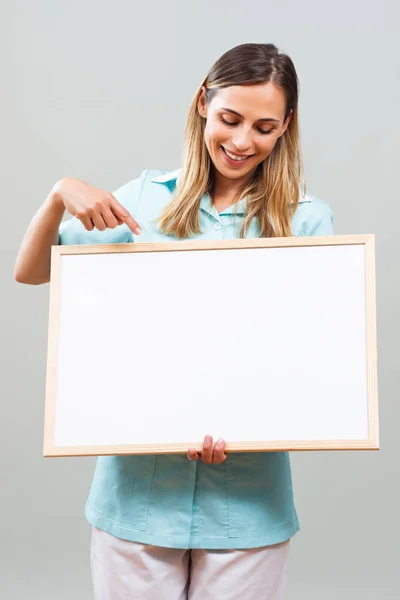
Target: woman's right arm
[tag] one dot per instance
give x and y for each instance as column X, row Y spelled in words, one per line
column 95, row 208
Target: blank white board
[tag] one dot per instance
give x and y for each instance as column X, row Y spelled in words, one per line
column 268, row 343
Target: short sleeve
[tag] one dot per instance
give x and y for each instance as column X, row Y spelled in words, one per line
column 320, row 221
column 73, row 231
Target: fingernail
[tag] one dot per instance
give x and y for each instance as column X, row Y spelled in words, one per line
column 208, row 438
column 138, row 231
column 220, row 441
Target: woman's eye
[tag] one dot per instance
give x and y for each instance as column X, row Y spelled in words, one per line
column 227, row 122
column 262, row 131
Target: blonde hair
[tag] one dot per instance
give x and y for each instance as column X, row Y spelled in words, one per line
column 273, row 191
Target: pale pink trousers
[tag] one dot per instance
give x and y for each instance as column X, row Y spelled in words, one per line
column 123, row 570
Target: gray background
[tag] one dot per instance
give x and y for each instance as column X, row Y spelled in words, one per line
column 100, row 90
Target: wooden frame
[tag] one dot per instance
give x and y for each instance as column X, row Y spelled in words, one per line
column 370, row 442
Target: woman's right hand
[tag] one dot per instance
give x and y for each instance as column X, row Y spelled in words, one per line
column 94, row 207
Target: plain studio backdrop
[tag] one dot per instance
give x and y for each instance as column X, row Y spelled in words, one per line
column 100, row 90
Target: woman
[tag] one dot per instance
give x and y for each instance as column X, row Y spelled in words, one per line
column 212, row 526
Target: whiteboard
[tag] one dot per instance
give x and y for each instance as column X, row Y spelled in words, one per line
column 267, row 343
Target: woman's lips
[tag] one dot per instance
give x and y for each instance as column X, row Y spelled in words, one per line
column 231, row 161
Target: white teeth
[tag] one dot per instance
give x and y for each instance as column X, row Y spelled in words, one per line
column 233, row 157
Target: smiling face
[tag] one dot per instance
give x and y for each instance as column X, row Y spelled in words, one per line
column 243, row 124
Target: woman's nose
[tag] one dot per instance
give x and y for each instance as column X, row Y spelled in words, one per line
column 241, row 141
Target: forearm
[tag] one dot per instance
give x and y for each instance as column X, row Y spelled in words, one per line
column 33, row 261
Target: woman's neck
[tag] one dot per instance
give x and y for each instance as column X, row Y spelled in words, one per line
column 227, row 191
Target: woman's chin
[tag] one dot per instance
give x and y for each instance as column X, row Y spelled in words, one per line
column 231, row 173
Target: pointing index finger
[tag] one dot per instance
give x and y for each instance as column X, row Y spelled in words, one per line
column 132, row 224
column 125, row 216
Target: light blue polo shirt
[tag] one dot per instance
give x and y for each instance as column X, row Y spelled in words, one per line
column 167, row 500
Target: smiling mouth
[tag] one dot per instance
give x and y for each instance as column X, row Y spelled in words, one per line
column 235, row 157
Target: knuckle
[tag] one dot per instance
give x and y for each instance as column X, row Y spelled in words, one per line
column 99, row 204
column 90, row 211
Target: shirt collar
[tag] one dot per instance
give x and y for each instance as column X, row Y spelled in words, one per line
column 239, row 208
column 167, row 177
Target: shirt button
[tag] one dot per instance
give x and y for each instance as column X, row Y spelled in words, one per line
column 217, row 226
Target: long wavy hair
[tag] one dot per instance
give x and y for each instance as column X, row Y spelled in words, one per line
column 273, row 190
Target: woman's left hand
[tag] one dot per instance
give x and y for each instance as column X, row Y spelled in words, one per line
column 209, row 454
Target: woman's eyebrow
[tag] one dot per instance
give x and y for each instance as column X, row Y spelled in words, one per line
column 239, row 115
